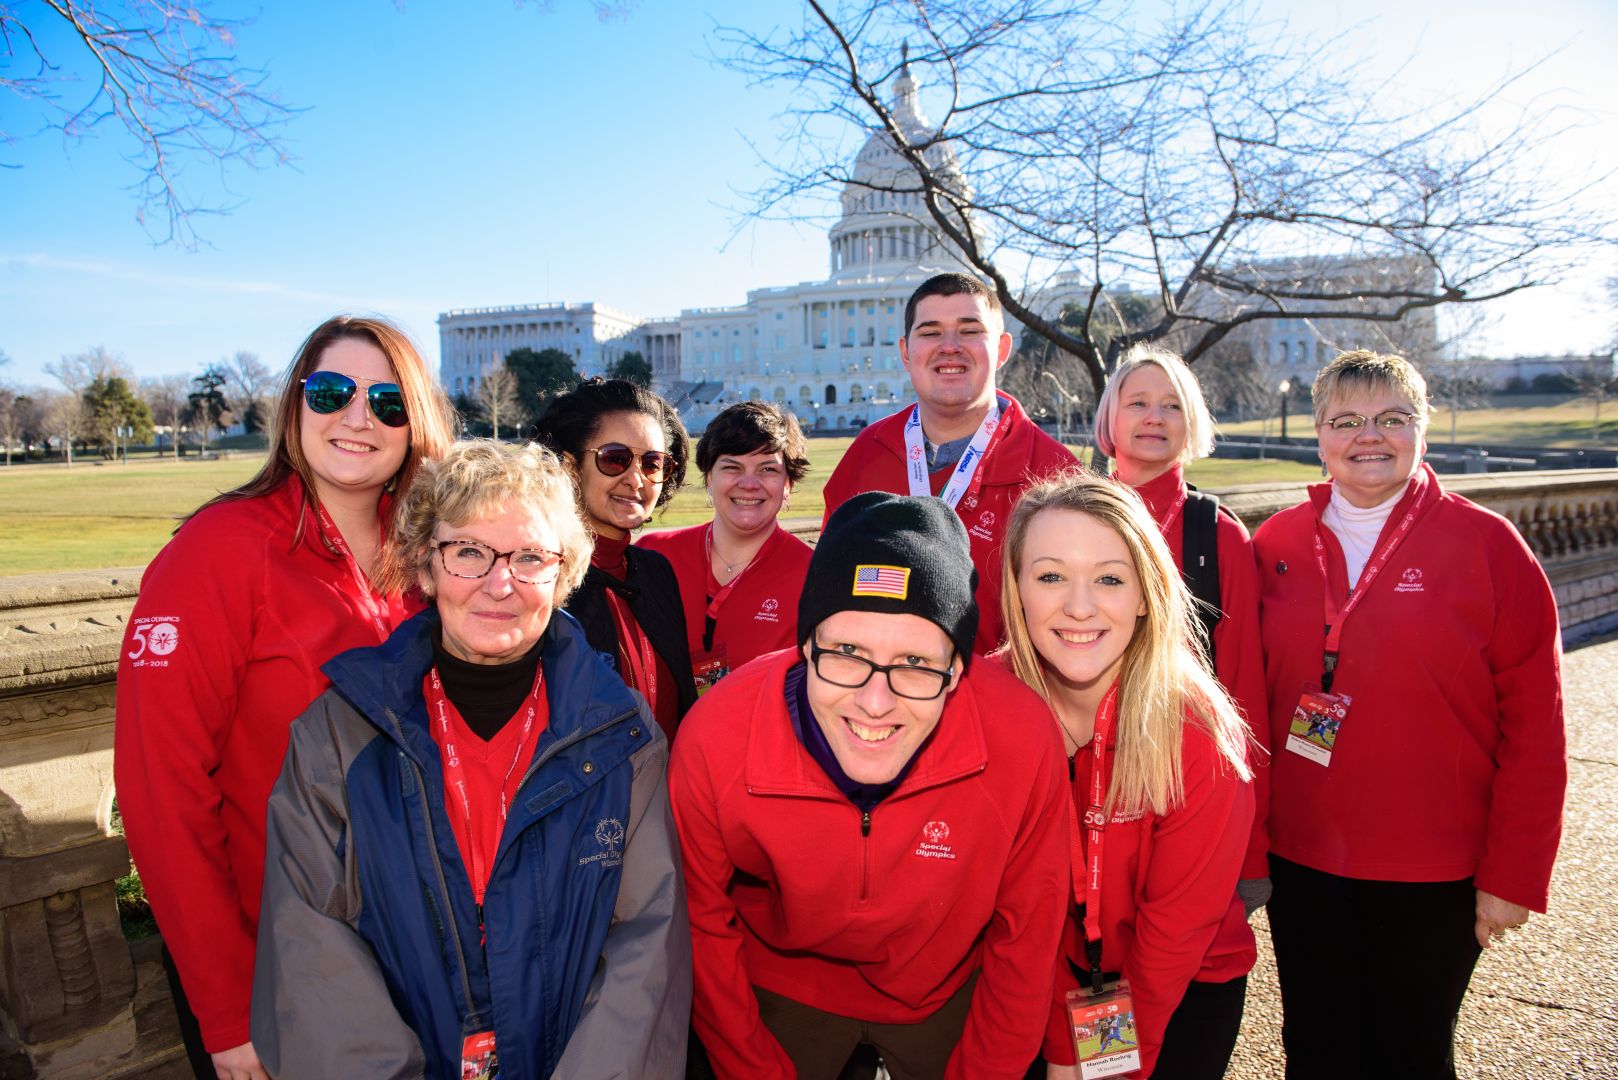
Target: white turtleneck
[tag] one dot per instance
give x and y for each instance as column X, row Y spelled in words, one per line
column 1357, row 527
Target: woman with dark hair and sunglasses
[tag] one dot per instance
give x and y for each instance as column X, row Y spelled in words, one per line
column 257, row 589
column 740, row 575
column 626, row 450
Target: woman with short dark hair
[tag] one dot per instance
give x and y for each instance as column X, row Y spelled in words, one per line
column 626, row 450
column 740, row 574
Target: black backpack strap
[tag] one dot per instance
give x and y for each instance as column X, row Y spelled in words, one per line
column 1199, row 557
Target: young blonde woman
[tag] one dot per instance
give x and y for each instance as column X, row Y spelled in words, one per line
column 1099, row 623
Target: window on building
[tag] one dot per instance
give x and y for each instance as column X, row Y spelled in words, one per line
column 806, row 396
column 870, row 309
column 754, row 395
column 1282, row 348
column 883, row 392
column 780, row 395
column 831, row 394
column 850, row 335
column 780, row 342
column 856, row 394
column 825, row 336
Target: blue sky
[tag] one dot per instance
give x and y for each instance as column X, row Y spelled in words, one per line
column 471, row 154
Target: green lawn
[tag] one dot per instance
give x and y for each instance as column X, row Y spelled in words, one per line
column 102, row 515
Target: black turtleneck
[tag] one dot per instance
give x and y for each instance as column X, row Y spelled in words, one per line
column 486, row 695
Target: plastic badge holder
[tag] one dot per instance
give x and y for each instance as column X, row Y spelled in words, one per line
column 1103, row 1029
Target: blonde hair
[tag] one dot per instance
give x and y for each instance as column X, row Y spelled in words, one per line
column 1163, row 678
column 1199, row 423
column 481, row 479
column 1362, row 369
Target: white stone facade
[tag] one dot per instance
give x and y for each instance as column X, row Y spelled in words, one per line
column 473, row 341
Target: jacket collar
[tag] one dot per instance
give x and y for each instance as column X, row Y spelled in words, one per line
column 778, row 764
column 1009, row 462
column 383, row 682
column 1320, row 494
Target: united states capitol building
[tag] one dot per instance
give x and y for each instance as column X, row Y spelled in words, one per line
column 828, row 350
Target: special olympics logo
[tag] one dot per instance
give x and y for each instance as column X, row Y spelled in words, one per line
column 771, row 604
column 915, row 453
column 610, row 834
column 986, row 519
column 936, row 832
column 1411, row 576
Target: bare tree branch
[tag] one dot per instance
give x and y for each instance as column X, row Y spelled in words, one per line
column 164, row 72
column 1198, row 161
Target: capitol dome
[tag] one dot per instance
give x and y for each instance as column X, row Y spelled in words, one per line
column 885, row 230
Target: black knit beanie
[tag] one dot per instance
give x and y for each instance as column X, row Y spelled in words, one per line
column 899, row 554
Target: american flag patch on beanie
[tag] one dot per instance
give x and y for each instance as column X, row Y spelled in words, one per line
column 872, row 580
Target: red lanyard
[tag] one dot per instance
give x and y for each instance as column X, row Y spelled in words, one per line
column 636, row 649
column 1337, row 616
column 441, row 712
column 362, row 587
column 717, row 594
column 1087, row 839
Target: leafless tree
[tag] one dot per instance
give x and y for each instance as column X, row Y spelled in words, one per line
column 63, row 418
column 250, row 380
column 1077, row 143
column 10, row 420
column 165, row 395
column 77, row 372
column 497, row 400
column 164, row 73
column 1597, row 379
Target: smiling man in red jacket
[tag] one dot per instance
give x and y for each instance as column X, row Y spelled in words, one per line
column 963, row 441
column 875, row 837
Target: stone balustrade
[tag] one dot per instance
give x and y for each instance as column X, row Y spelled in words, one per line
column 75, row 1004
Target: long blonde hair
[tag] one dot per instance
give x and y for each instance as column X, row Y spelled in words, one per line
column 1164, row 678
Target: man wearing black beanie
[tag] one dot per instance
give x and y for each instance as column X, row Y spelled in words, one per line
column 875, row 837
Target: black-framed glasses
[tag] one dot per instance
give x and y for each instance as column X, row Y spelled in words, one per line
column 614, row 459
column 470, row 559
column 1387, row 420
column 852, row 672
column 326, row 392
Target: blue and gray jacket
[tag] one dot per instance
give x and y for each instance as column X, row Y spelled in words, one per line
column 369, row 960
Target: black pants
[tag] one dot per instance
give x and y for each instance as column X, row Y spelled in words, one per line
column 190, row 1031
column 1200, row 1036
column 1372, row 973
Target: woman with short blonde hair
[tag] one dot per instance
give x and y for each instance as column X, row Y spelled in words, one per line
column 470, row 853
column 1419, row 762
column 1099, row 623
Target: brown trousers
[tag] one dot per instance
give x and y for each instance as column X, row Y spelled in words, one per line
column 820, row 1043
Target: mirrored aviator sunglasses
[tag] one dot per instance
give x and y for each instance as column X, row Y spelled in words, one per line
column 326, row 392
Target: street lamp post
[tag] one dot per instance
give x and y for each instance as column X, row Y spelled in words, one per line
column 1285, row 390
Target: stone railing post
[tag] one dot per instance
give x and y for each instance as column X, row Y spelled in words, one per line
column 67, row 983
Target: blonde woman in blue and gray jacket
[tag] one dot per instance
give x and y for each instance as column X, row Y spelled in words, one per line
column 470, row 852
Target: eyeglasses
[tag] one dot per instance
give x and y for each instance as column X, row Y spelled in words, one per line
column 326, row 392
column 614, row 459
column 1390, row 420
column 852, row 672
column 470, row 559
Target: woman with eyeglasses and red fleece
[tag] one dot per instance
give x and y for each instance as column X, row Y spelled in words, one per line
column 626, row 450
column 257, row 589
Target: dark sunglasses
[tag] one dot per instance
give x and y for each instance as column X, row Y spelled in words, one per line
column 326, row 392
column 614, row 459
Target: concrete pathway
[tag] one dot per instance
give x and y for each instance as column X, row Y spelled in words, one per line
column 1543, row 1005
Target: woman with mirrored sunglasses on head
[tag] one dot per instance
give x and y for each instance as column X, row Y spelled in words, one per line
column 471, row 857
column 626, row 450
column 1413, row 652
column 740, row 575
column 257, row 589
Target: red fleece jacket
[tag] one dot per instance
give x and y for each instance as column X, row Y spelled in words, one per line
column 964, row 868
column 1238, row 648
column 204, row 708
column 1452, row 760
column 761, row 613
column 1024, row 456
